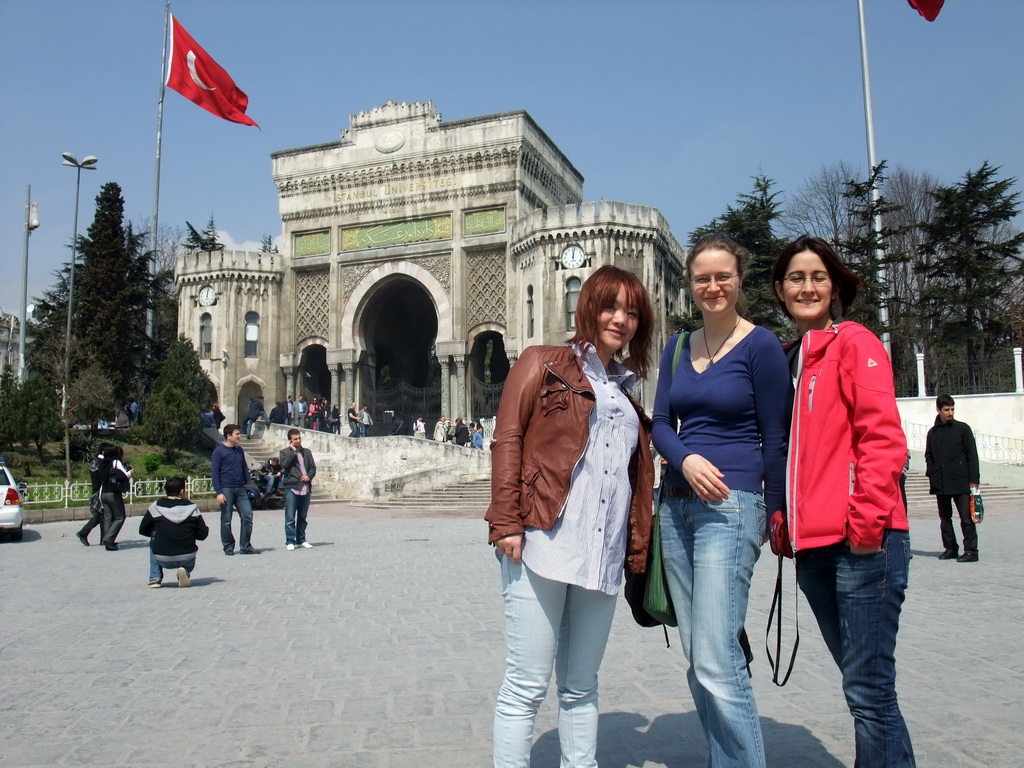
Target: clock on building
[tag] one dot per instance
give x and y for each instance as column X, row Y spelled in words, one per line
column 207, row 295
column 573, row 257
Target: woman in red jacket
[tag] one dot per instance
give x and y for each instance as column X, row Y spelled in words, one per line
column 846, row 520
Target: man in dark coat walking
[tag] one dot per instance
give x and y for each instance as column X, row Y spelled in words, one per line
column 951, row 461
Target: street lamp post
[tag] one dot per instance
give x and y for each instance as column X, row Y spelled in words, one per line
column 31, row 222
column 88, row 163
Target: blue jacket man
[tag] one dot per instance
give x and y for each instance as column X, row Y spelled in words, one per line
column 230, row 476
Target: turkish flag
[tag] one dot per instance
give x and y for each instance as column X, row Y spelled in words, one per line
column 195, row 75
column 927, row 8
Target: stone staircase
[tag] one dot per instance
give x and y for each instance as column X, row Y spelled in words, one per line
column 468, row 495
column 917, row 490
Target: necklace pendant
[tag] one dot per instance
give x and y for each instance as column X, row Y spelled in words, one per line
column 710, row 363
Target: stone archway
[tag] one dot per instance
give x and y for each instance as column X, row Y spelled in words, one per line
column 314, row 377
column 400, row 375
column 488, row 367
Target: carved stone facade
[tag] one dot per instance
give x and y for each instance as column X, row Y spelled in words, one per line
column 419, row 258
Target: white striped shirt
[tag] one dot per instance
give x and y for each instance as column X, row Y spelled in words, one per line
column 587, row 545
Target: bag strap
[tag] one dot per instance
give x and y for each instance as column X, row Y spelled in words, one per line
column 776, row 662
column 680, row 343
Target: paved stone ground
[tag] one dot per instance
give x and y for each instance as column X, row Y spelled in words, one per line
column 382, row 647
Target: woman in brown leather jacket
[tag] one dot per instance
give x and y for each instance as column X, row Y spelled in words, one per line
column 572, row 479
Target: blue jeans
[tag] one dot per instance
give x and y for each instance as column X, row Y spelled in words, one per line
column 548, row 623
column 272, row 482
column 709, row 551
column 235, row 498
column 856, row 600
column 296, row 508
column 156, row 571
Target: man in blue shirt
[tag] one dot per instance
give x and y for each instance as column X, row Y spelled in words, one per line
column 230, row 475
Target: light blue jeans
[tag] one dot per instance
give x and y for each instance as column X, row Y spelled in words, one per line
column 547, row 624
column 709, row 552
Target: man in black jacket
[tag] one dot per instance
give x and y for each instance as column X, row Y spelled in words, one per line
column 951, row 461
column 174, row 525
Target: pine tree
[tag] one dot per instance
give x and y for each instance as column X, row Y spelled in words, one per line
column 971, row 259
column 181, row 370
column 171, row 420
column 107, row 304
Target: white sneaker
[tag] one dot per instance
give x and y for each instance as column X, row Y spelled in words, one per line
column 183, row 579
column 290, row 547
column 306, row 545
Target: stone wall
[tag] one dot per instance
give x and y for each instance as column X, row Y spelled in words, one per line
column 379, row 467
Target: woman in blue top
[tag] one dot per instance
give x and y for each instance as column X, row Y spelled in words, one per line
column 726, row 466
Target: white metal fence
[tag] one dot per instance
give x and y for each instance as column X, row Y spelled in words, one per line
column 77, row 494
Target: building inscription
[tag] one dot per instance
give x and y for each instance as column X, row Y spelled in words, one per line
column 397, row 233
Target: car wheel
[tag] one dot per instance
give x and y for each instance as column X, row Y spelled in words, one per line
column 17, row 533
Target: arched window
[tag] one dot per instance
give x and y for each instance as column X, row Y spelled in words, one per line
column 252, row 334
column 529, row 311
column 572, row 295
column 206, row 336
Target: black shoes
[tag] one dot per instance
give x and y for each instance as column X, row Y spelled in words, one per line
column 968, row 557
column 252, row 551
column 110, row 547
column 81, row 537
column 229, row 552
column 949, row 554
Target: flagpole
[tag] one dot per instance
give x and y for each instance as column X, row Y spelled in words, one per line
column 869, row 126
column 150, row 318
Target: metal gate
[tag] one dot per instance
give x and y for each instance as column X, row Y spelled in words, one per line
column 409, row 401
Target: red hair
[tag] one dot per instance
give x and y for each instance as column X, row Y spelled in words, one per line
column 600, row 291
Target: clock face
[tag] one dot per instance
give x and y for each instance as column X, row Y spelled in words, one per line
column 573, row 257
column 207, row 295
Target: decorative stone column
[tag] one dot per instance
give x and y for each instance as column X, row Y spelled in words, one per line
column 920, row 374
column 446, row 399
column 460, row 373
column 335, row 385
column 1018, row 378
column 350, row 383
column 288, row 368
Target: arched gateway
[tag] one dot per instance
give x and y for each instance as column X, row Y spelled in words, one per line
column 418, row 258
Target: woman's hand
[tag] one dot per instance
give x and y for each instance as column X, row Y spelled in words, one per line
column 704, row 478
column 511, row 547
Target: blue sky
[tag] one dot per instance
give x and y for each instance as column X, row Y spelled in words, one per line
column 669, row 104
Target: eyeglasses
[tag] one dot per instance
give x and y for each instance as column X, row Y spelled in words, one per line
column 703, row 281
column 797, row 279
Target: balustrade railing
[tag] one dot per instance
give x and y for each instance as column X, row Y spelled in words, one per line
column 77, row 494
column 999, row 450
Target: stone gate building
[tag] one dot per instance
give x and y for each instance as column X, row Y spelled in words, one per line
column 419, row 258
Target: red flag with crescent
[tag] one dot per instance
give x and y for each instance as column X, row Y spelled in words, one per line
column 927, row 8
column 195, row 75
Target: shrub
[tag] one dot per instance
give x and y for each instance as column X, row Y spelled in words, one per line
column 134, row 435
column 196, row 466
column 151, row 462
column 84, row 446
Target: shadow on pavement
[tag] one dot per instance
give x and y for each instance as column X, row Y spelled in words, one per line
column 627, row 740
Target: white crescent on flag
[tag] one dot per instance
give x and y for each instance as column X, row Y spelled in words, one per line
column 191, row 58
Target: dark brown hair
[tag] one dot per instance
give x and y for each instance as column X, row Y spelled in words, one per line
column 845, row 281
column 599, row 291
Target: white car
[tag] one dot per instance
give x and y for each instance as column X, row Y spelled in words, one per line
column 10, row 512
